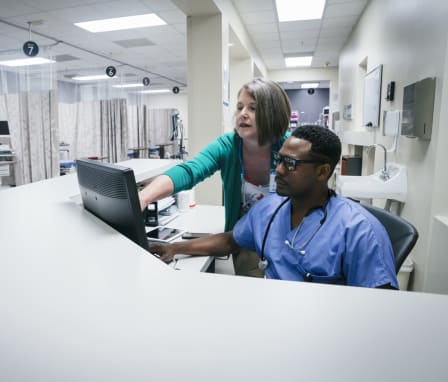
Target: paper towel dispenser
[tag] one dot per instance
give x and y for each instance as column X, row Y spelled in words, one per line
column 418, row 108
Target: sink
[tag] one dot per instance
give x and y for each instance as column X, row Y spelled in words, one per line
column 374, row 186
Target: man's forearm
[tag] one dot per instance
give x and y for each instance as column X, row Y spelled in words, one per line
column 213, row 245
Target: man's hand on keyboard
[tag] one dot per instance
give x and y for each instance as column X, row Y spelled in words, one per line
column 164, row 251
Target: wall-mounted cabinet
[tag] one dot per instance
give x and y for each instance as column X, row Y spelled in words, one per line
column 418, row 108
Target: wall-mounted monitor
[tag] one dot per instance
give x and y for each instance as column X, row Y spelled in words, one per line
column 4, row 128
column 372, row 97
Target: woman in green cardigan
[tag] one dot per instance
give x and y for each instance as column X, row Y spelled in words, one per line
column 244, row 156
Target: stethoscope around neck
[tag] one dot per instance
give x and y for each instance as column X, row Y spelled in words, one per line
column 263, row 263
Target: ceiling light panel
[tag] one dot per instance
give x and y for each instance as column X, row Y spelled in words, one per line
column 122, row 23
column 125, row 86
column 294, row 10
column 291, row 62
column 155, row 91
column 27, row 62
column 92, row 77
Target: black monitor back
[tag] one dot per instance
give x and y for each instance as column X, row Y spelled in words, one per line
column 110, row 193
column 4, row 128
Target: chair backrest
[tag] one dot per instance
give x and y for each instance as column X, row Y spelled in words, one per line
column 402, row 234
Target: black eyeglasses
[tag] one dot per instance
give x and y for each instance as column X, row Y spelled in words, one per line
column 291, row 163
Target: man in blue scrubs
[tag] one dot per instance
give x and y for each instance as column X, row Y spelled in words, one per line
column 306, row 232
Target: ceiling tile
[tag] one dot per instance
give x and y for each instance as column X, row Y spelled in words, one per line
column 260, row 37
column 134, row 43
column 244, row 6
column 342, row 33
column 302, row 35
column 344, row 9
column 259, row 18
column 294, row 26
column 341, row 21
column 295, row 46
column 255, row 29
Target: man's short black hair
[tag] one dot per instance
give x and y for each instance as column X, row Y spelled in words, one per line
column 325, row 144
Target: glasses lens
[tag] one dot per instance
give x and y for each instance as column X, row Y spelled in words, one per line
column 289, row 163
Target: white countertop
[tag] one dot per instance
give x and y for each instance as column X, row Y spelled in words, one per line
column 80, row 302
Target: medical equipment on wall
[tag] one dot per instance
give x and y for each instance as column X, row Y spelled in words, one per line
column 177, row 136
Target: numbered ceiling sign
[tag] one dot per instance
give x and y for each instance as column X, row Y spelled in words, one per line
column 30, row 48
column 175, row 90
column 111, row 71
column 146, row 81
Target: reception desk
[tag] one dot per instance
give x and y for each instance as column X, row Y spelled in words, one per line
column 80, row 302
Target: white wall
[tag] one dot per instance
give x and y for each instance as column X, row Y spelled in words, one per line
column 233, row 18
column 409, row 38
column 437, row 268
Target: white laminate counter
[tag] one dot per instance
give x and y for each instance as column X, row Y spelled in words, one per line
column 80, row 302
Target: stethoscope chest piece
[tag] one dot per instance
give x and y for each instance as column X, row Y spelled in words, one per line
column 263, row 264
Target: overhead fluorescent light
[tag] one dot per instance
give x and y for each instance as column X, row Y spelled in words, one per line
column 137, row 85
column 92, row 77
column 121, row 23
column 155, row 91
column 27, row 61
column 310, row 85
column 295, row 10
column 298, row 61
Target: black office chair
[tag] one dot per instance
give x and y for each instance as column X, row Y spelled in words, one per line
column 402, row 234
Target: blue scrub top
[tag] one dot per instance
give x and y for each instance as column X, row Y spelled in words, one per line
column 351, row 247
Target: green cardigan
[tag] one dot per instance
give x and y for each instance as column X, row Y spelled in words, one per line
column 221, row 154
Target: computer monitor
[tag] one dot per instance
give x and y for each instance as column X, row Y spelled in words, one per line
column 109, row 192
column 4, row 128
